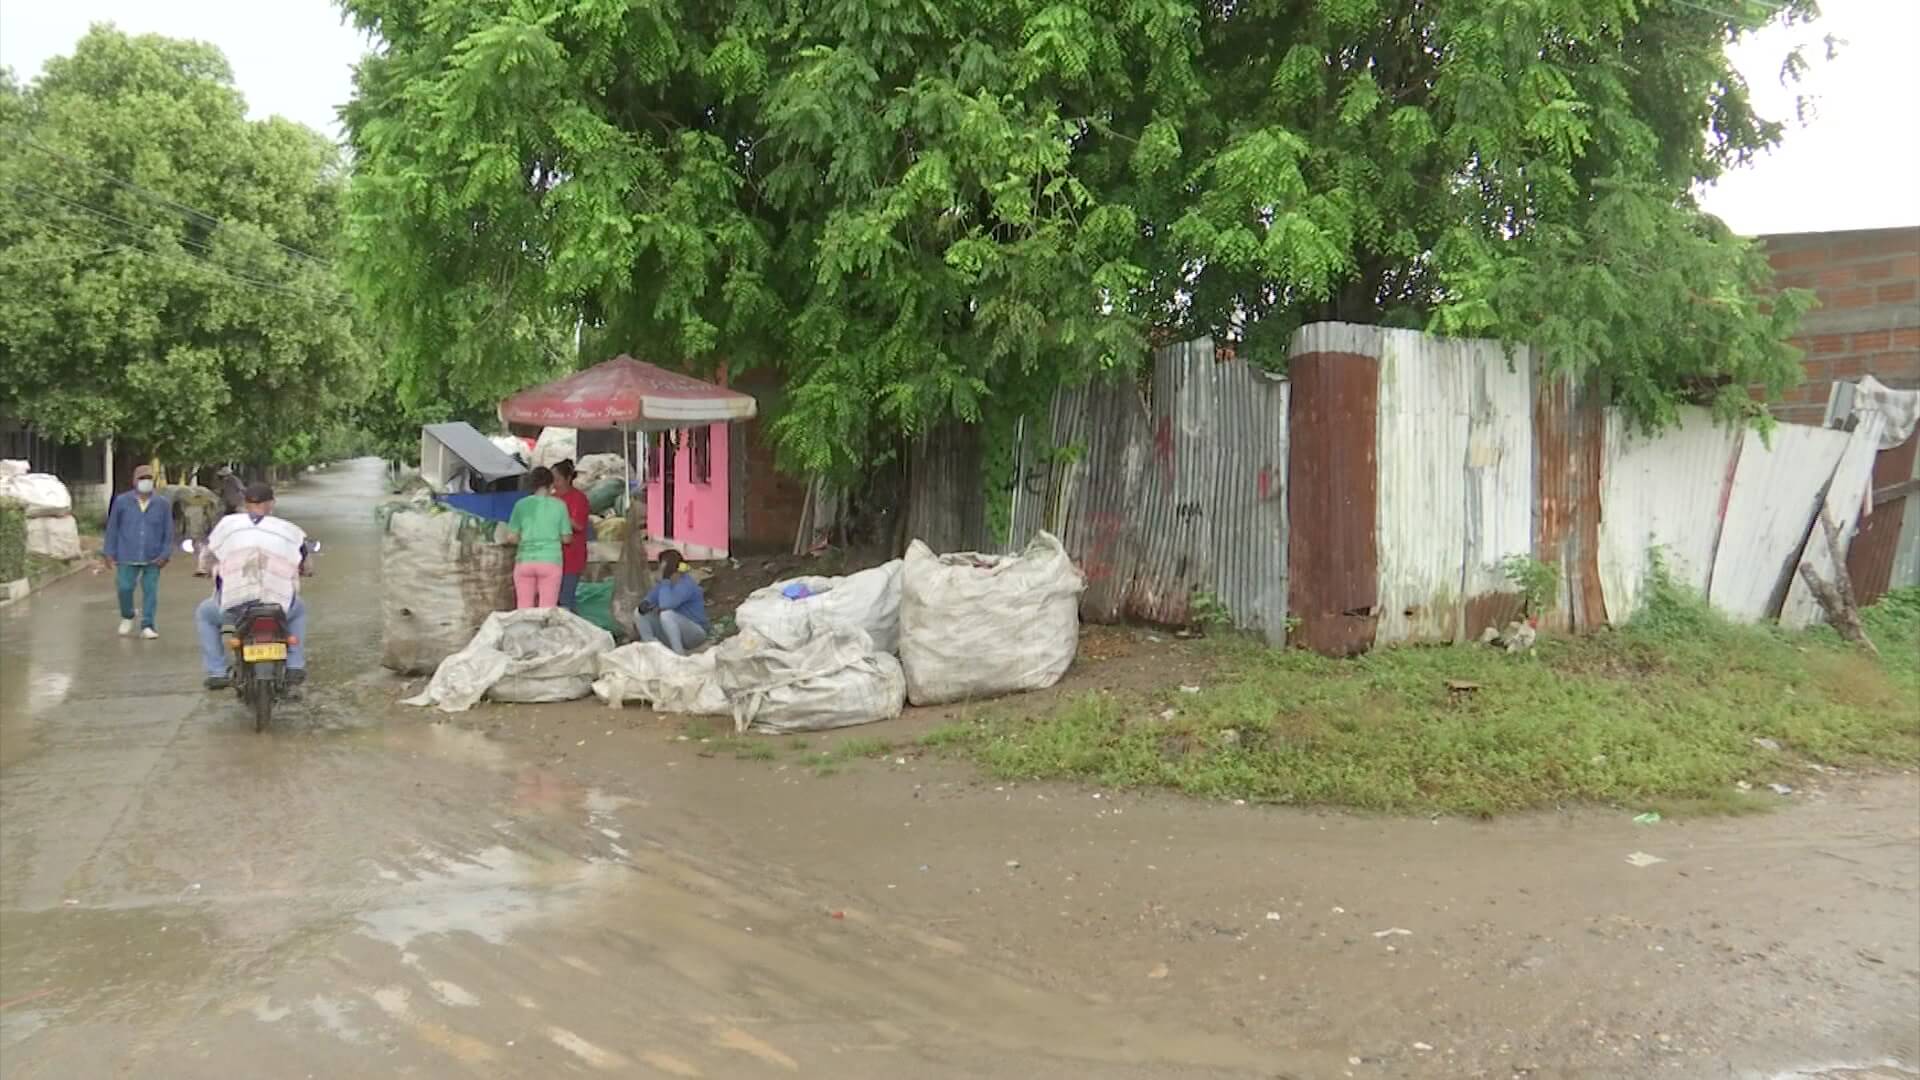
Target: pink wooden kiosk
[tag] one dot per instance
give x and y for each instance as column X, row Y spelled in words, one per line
column 674, row 438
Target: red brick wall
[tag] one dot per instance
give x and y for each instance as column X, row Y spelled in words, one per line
column 1868, row 321
column 767, row 503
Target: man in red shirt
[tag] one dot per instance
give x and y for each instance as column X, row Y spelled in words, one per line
column 573, row 554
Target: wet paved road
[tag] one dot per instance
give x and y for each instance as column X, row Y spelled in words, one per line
column 561, row 891
column 362, row 892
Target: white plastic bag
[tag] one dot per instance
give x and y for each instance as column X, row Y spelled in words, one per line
column 42, row 493
column 869, row 600
column 542, row 654
column 650, row 672
column 594, row 468
column 977, row 626
column 834, row 679
column 441, row 576
column 555, row 444
column 54, row 537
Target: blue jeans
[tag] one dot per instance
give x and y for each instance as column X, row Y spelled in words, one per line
column 672, row 629
column 569, row 590
column 213, row 651
column 148, row 575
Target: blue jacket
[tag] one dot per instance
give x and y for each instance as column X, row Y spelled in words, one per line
column 138, row 537
column 681, row 593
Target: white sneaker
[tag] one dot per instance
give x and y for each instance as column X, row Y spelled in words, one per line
column 126, row 627
column 150, row 634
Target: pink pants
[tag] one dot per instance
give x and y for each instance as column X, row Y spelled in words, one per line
column 536, row 585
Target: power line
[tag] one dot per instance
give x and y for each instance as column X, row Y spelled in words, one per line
column 154, row 196
column 63, row 255
column 133, row 230
column 1771, row 8
column 202, row 263
column 108, row 215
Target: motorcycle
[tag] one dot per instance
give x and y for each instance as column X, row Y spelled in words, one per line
column 257, row 640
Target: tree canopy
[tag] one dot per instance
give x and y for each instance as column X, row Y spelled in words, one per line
column 167, row 275
column 928, row 208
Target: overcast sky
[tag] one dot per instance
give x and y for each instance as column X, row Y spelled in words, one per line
column 1856, row 166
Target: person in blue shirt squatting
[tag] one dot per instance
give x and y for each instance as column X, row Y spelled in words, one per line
column 139, row 541
column 674, row 613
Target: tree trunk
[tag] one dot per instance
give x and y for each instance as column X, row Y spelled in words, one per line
column 1836, row 597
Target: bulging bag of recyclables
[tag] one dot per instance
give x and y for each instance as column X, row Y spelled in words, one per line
column 835, row 678
column 42, row 494
column 441, row 576
column 542, row 654
column 977, row 626
column 787, row 613
column 670, row 683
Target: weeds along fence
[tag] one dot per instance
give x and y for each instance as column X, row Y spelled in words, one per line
column 1394, row 487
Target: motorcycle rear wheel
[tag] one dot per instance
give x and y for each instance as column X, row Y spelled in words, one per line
column 262, row 704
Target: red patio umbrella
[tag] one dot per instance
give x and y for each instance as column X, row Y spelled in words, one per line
column 626, row 393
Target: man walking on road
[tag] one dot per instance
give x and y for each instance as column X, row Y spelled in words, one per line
column 139, row 542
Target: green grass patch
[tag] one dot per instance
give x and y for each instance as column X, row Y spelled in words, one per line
column 1662, row 714
column 715, row 740
column 837, row 754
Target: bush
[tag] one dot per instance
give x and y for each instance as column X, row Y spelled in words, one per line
column 13, row 540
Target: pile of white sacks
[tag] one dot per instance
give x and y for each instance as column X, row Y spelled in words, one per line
column 811, row 653
column 51, row 530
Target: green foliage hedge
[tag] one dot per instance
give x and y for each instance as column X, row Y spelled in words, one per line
column 13, row 540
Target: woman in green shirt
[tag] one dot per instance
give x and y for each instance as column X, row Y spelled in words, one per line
column 541, row 525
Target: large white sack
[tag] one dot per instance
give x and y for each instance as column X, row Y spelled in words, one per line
column 441, row 576
column 555, row 444
column 869, row 600
column 54, row 537
column 834, row 679
column 541, row 654
column 976, row 626
column 594, row 468
column 650, row 672
column 43, row 494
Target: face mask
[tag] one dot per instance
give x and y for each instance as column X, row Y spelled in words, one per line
column 144, row 487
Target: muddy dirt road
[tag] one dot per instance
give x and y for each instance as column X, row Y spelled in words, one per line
column 566, row 891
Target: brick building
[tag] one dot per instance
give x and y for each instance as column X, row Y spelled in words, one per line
column 1868, row 321
column 767, row 503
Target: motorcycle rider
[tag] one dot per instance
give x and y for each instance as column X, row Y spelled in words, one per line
column 258, row 558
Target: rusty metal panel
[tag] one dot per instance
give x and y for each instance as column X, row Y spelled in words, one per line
column 1847, row 495
column 1569, row 437
column 1455, row 452
column 1776, row 489
column 1249, row 518
column 1891, row 528
column 1170, row 505
column 1499, row 481
column 947, row 504
column 1906, row 555
column 1106, row 426
column 1332, row 475
column 1666, row 494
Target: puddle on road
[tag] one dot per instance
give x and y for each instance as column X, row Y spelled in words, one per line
column 488, row 894
column 1884, row 1069
column 19, row 1025
column 47, row 689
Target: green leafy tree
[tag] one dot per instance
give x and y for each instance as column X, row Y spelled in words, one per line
column 166, row 275
column 923, row 209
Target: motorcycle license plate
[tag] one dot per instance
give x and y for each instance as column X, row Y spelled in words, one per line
column 273, row 651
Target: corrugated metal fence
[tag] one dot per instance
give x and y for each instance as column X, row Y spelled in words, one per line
column 1380, row 492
